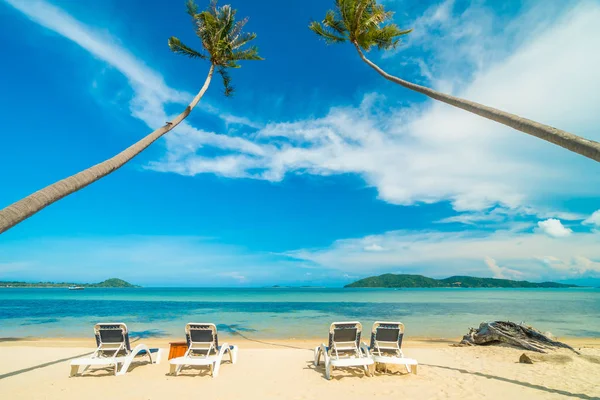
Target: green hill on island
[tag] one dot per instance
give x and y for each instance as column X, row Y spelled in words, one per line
column 420, row 281
column 109, row 283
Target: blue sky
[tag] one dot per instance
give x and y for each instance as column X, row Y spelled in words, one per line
column 318, row 171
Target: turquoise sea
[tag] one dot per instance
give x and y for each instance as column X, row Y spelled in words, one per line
column 293, row 312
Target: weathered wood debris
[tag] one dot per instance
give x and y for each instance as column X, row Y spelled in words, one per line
column 518, row 335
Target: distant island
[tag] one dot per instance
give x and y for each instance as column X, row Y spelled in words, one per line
column 109, row 283
column 420, row 281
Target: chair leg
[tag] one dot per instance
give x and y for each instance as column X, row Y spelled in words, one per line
column 234, row 354
column 317, row 356
column 74, row 370
column 214, row 369
column 328, row 370
column 367, row 372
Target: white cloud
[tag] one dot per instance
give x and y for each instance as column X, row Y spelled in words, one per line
column 151, row 93
column 593, row 219
column 554, row 228
column 374, row 247
column 147, row 260
column 504, row 216
column 423, row 153
column 501, row 272
column 234, row 275
column 577, row 265
column 521, row 255
column 432, row 152
column 101, row 45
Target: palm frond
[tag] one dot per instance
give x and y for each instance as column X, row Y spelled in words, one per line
column 337, row 25
column 212, row 8
column 242, row 39
column 192, row 8
column 361, row 8
column 226, row 81
column 387, row 37
column 177, row 47
column 237, row 29
column 325, row 33
column 343, row 7
column 248, row 54
column 376, row 17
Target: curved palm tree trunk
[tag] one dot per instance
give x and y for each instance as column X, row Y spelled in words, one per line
column 569, row 141
column 26, row 207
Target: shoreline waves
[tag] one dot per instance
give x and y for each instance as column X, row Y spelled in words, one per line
column 277, row 313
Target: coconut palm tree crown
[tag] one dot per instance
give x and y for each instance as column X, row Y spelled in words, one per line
column 222, row 39
column 365, row 24
column 361, row 22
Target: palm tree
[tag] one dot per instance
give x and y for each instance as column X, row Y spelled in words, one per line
column 222, row 39
column 363, row 23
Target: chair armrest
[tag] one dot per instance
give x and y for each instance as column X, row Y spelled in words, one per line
column 365, row 349
column 322, row 349
column 223, row 348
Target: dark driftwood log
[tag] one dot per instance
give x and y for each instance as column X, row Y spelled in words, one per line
column 517, row 335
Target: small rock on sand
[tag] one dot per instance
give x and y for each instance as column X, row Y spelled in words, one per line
column 525, row 359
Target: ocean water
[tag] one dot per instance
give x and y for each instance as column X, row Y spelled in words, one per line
column 293, row 312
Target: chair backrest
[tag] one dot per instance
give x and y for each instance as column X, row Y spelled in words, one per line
column 345, row 335
column 201, row 337
column 387, row 337
column 111, row 336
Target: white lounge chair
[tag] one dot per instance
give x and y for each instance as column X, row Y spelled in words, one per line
column 203, row 349
column 386, row 345
column 113, row 349
column 344, row 348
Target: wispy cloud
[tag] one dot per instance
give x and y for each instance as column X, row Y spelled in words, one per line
column 151, row 93
column 503, row 216
column 501, row 272
column 505, row 253
column 423, row 153
column 431, row 152
column 148, row 260
column 102, row 46
column 374, row 247
column 593, row 219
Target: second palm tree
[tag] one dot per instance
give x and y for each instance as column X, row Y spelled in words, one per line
column 363, row 23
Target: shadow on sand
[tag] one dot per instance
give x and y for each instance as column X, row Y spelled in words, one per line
column 515, row 382
column 11, row 339
column 238, row 333
column 29, row 369
column 47, row 364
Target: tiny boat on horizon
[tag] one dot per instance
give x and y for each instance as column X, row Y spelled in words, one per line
column 76, row 288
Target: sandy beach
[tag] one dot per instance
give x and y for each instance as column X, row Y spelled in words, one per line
column 39, row 369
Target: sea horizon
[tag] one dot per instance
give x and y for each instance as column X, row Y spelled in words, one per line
column 294, row 312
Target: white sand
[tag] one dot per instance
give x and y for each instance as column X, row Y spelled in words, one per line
column 278, row 372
